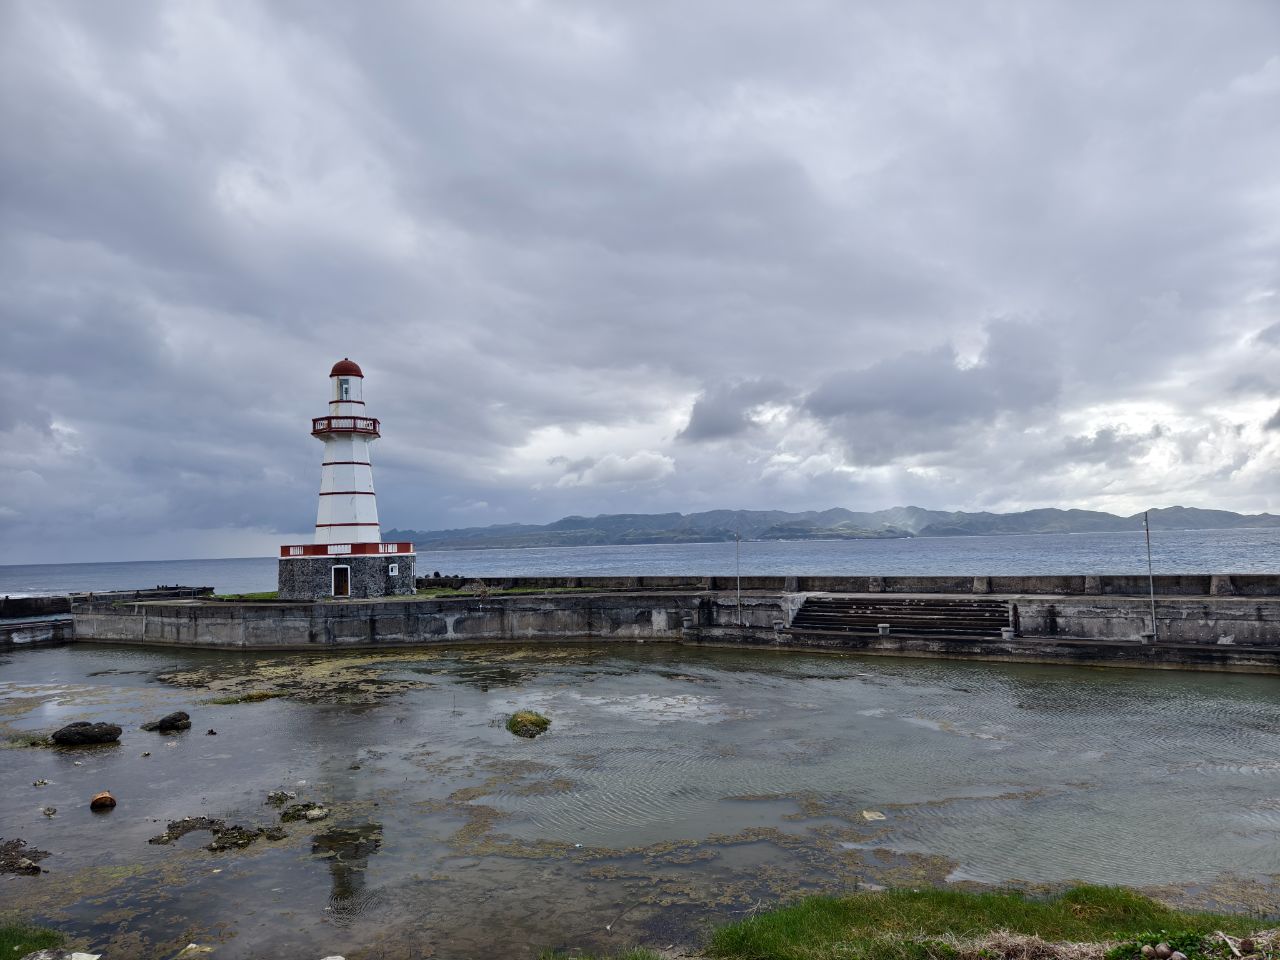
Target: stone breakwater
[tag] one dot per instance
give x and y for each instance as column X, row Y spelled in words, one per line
column 1222, row 630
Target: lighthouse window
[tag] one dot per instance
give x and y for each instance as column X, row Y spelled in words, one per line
column 345, row 388
column 393, row 570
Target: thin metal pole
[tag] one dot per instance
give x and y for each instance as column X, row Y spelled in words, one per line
column 737, row 564
column 1151, row 578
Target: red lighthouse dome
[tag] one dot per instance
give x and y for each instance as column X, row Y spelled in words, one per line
column 346, row 367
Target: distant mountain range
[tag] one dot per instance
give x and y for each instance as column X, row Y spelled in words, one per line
column 837, row 524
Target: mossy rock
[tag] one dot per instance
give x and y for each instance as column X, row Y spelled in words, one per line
column 298, row 811
column 527, row 724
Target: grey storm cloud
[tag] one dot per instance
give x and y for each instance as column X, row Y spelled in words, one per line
column 724, row 410
column 631, row 257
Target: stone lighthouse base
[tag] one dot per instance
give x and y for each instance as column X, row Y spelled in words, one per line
column 358, row 577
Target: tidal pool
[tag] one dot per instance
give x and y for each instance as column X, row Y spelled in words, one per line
column 678, row 787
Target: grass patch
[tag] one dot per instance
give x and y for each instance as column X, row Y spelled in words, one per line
column 27, row 740
column 527, row 723
column 637, row 954
column 253, row 696
column 264, row 595
column 19, row 939
column 923, row 924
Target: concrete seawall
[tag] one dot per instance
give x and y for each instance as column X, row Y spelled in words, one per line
column 386, row 622
column 1206, row 632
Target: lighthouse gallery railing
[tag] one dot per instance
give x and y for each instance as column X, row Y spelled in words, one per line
column 366, row 425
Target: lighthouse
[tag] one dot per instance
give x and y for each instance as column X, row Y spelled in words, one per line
column 347, row 558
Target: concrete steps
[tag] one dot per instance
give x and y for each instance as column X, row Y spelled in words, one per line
column 936, row 617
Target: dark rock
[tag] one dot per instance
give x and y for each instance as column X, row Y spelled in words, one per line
column 83, row 733
column 178, row 720
column 1164, row 951
column 278, row 798
column 211, row 733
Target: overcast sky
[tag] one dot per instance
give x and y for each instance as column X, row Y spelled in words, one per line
column 612, row 257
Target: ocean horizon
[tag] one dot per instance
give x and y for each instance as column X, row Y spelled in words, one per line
column 1254, row 550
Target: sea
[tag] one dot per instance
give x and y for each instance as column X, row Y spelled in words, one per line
column 1174, row 551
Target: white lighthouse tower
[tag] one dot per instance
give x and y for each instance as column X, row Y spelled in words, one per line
column 348, row 557
column 348, row 511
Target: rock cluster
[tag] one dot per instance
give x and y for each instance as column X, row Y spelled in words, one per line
column 234, row 837
column 306, row 810
column 17, row 857
column 83, row 733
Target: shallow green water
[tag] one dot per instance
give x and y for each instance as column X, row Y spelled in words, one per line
column 678, row 787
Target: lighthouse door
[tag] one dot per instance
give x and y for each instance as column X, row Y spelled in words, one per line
column 342, row 581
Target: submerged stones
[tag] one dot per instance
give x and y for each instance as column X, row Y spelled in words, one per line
column 302, row 811
column 278, row 798
column 17, row 858
column 178, row 720
column 527, row 724
column 234, row 837
column 83, row 733
column 180, row 828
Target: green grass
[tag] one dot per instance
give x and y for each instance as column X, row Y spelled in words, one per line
column 19, row 939
column 898, row 924
column 27, row 740
column 264, row 595
column 253, row 696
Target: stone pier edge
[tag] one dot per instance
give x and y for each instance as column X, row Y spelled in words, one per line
column 1221, row 627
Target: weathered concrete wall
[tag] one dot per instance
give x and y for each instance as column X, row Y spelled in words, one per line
column 34, row 633
column 16, row 607
column 1171, row 585
column 1208, row 620
column 1215, row 633
column 661, row 615
column 1167, row 656
column 281, row 626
